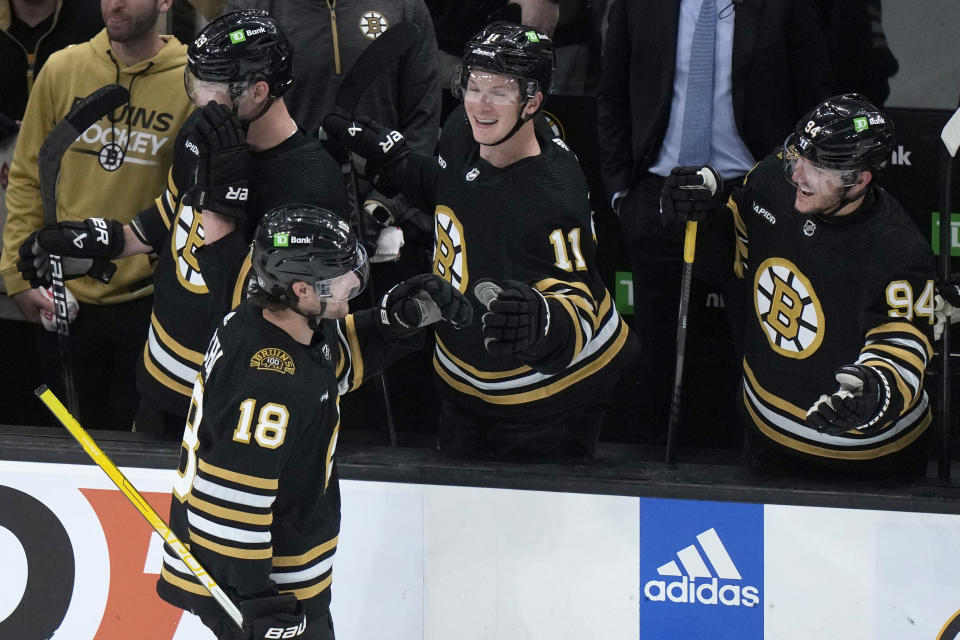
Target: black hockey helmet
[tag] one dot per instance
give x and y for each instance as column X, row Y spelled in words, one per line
column 845, row 133
column 307, row 243
column 240, row 47
column 511, row 49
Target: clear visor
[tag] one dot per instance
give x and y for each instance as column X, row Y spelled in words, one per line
column 348, row 285
column 811, row 178
column 201, row 92
column 493, row 88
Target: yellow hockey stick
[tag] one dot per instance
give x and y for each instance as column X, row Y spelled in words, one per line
column 103, row 461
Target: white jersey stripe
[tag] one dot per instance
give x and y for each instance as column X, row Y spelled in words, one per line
column 228, row 533
column 175, row 367
column 313, row 572
column 232, row 495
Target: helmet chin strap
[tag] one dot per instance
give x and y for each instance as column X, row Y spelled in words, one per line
column 235, row 92
column 844, row 201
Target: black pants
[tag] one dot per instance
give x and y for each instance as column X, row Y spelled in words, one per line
column 573, row 432
column 656, row 260
column 105, row 342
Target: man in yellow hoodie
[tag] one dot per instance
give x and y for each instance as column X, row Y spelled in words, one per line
column 114, row 169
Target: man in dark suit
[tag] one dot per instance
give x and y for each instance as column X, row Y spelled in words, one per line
column 742, row 73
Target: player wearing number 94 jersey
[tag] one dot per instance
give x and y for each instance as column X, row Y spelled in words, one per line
column 841, row 299
column 257, row 497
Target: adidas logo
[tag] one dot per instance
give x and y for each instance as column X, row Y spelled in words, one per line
column 710, row 591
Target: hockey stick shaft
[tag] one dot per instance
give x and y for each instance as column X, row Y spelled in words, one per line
column 83, row 114
column 138, row 501
column 392, row 45
column 689, row 248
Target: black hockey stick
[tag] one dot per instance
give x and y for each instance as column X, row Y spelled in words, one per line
column 951, row 140
column 392, row 45
column 83, row 114
column 137, row 500
column 689, row 248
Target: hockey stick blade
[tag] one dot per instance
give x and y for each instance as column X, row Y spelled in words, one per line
column 83, row 114
column 392, row 45
column 138, row 501
column 951, row 134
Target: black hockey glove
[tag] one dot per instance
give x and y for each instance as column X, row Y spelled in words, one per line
column 222, row 163
column 690, row 194
column 517, row 322
column 378, row 147
column 85, row 248
column 864, row 401
column 420, row 301
column 276, row 617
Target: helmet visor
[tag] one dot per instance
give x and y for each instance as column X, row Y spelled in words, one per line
column 480, row 85
column 201, row 92
column 347, row 285
column 803, row 172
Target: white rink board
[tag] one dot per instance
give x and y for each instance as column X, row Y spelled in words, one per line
column 424, row 562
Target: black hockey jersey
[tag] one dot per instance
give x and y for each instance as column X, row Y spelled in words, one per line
column 256, row 497
column 856, row 289
column 297, row 170
column 529, row 222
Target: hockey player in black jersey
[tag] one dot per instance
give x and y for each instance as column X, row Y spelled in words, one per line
column 841, row 288
column 237, row 156
column 510, row 207
column 257, row 497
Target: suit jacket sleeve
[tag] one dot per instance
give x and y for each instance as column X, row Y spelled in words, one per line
column 613, row 104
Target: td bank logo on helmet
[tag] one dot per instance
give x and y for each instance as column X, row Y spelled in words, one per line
column 238, row 36
column 284, row 239
column 696, row 584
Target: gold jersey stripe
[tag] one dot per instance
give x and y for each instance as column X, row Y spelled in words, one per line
column 864, row 454
column 547, row 283
column 899, row 353
column 540, row 392
column 308, row 556
column 741, row 249
column 270, row 484
column 309, row 592
column 483, row 375
column 232, row 552
column 161, row 377
column 259, row 519
column 771, row 399
column 575, row 321
column 238, row 286
column 186, row 585
column 901, row 327
column 172, row 345
column 356, row 357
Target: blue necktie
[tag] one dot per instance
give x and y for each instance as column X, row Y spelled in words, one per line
column 698, row 110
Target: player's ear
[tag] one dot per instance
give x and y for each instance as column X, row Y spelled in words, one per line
column 301, row 290
column 863, row 180
column 533, row 104
column 260, row 91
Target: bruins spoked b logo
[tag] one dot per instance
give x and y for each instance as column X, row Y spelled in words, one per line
column 788, row 309
column 373, row 24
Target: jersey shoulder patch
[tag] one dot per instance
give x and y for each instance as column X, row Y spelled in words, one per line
column 273, row 359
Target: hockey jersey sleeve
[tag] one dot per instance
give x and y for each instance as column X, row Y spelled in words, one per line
column 154, row 224
column 899, row 327
column 364, row 351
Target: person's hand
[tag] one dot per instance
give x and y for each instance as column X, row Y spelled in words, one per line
column 863, row 401
column 517, row 321
column 690, row 194
column 85, row 248
column 423, row 300
column 31, row 303
column 275, row 617
column 220, row 146
column 543, row 15
column 378, row 146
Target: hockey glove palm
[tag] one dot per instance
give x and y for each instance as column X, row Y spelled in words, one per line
column 276, row 617
column 222, row 163
column 378, row 147
column 690, row 194
column 423, row 300
column 864, row 401
column 517, row 322
column 85, row 248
